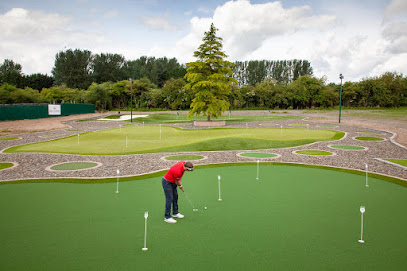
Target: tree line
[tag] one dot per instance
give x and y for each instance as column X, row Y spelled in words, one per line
column 387, row 90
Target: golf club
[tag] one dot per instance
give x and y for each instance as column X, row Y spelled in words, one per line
column 193, row 208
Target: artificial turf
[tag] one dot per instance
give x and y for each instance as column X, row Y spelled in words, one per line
column 5, row 165
column 149, row 139
column 348, row 147
column 292, row 218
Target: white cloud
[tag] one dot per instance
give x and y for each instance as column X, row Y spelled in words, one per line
column 111, row 14
column 395, row 9
column 161, row 22
column 32, row 38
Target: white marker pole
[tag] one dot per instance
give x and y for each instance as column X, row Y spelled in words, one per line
column 117, row 186
column 257, row 169
column 367, row 185
column 145, row 232
column 220, row 199
column 362, row 210
column 78, row 138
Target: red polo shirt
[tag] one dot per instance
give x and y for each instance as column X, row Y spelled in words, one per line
column 175, row 172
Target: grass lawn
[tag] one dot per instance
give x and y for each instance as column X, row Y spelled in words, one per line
column 149, row 139
column 369, row 138
column 8, row 138
column 314, row 152
column 292, row 218
column 402, row 162
column 162, row 118
column 348, row 147
column 5, row 165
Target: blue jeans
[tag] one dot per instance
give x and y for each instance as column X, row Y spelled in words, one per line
column 171, row 198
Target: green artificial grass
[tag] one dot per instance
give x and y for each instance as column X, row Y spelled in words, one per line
column 368, row 138
column 8, row 138
column 299, row 218
column 74, row 166
column 149, row 139
column 402, row 162
column 5, row 165
column 314, row 152
column 162, row 118
column 184, row 157
column 348, row 147
column 258, row 155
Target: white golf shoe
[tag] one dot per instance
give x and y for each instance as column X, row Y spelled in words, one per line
column 170, row 220
column 178, row 215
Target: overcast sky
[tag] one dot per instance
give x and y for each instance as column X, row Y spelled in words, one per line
column 360, row 38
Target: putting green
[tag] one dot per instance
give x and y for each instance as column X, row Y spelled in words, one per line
column 9, row 138
column 170, row 139
column 292, row 218
column 368, row 138
column 5, row 165
column 402, row 162
column 258, row 155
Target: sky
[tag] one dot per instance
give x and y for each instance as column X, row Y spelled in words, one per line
column 359, row 39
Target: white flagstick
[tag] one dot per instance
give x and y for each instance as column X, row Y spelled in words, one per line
column 362, row 210
column 257, row 169
column 145, row 232
column 220, row 199
column 366, row 176
column 78, row 138
column 117, row 186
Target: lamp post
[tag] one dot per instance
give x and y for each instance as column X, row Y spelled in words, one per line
column 340, row 98
column 131, row 100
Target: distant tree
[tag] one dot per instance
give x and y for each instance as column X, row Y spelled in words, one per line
column 108, row 67
column 38, row 81
column 72, row 68
column 210, row 77
column 11, row 73
column 99, row 96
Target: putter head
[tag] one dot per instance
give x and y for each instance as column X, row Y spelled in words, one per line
column 195, row 210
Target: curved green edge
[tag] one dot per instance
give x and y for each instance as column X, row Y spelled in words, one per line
column 348, row 147
column 6, row 165
column 294, row 143
column 9, row 138
column 367, row 138
column 162, row 172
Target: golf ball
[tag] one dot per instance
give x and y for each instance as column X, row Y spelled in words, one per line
column 205, row 208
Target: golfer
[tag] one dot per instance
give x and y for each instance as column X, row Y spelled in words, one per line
column 170, row 181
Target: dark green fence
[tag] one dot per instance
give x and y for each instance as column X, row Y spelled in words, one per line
column 37, row 111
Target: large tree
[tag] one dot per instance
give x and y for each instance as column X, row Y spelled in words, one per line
column 210, row 77
column 108, row 67
column 72, row 68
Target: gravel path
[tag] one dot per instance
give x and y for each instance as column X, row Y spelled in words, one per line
column 33, row 165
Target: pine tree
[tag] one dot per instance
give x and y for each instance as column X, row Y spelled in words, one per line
column 210, row 77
